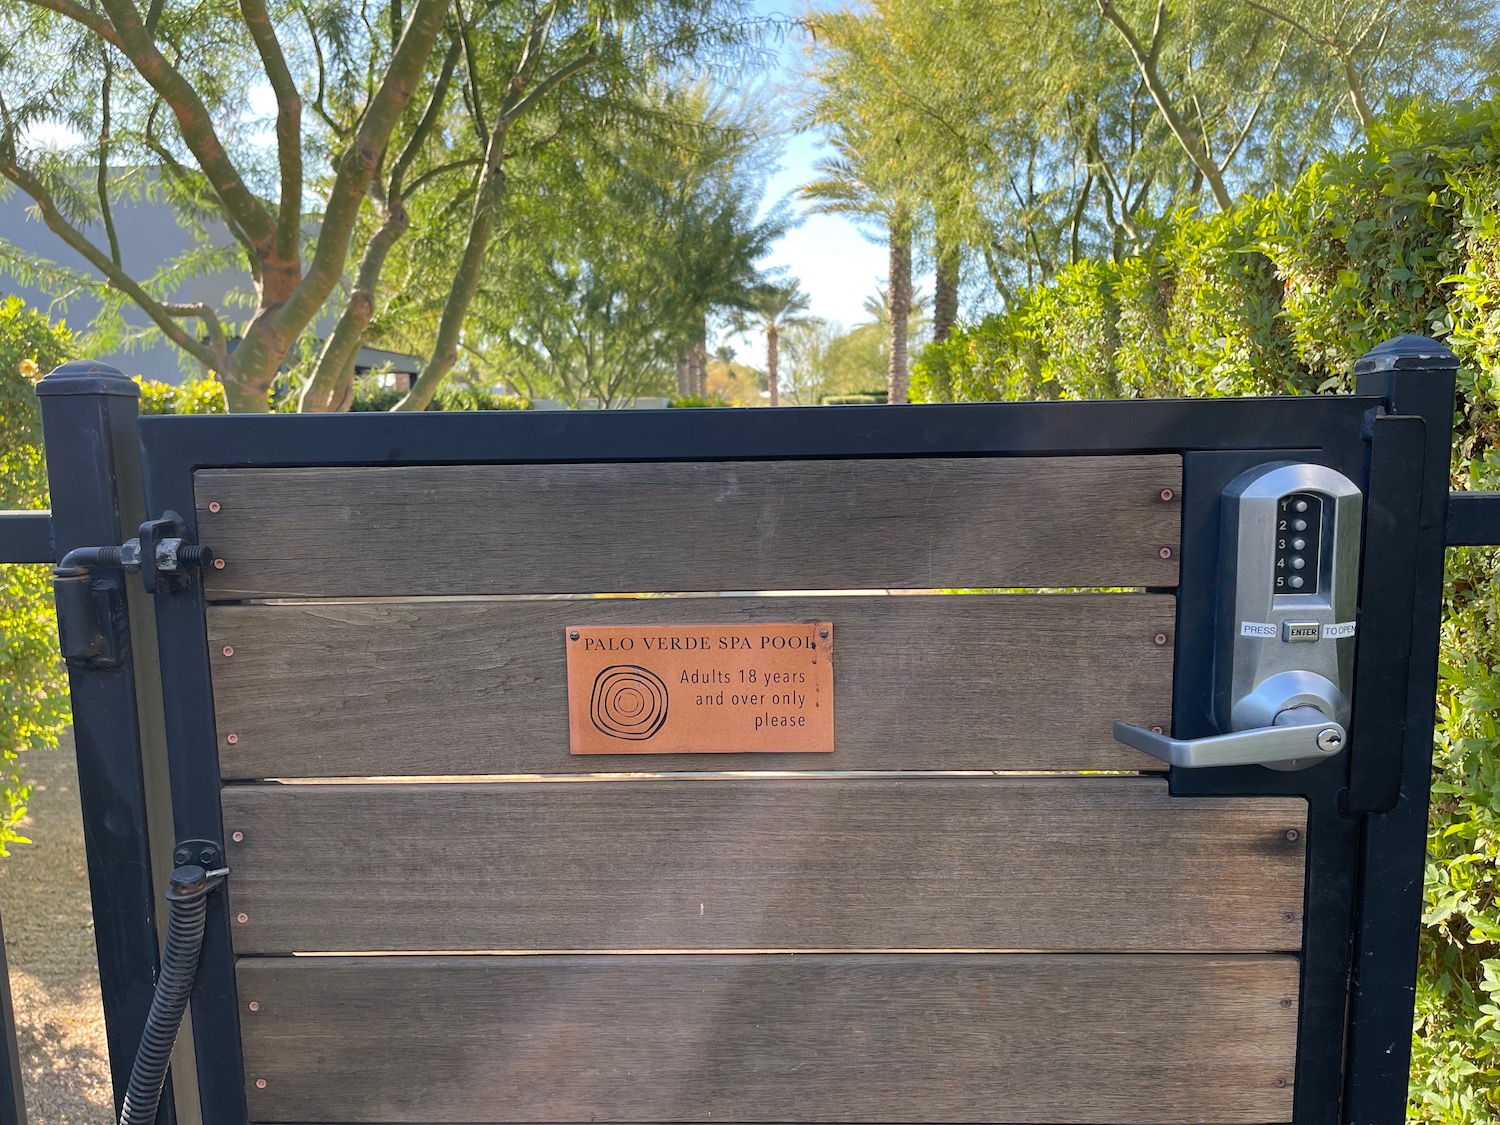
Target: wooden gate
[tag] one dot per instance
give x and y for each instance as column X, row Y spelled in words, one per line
column 973, row 904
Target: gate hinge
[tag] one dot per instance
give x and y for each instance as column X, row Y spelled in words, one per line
column 206, row 854
column 162, row 554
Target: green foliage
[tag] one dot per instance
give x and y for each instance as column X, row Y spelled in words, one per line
column 1282, row 295
column 369, row 395
column 867, row 398
column 193, row 396
column 33, row 691
column 695, row 402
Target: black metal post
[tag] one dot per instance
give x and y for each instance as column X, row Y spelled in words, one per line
column 1415, row 377
column 12, row 1096
column 26, row 537
column 89, row 416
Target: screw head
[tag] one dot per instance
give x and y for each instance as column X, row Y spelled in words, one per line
column 823, row 633
column 1156, row 730
column 1165, row 552
column 213, row 506
column 228, row 650
column 1166, row 494
column 573, row 635
column 1293, row 835
column 260, row 1083
column 1160, row 638
column 218, row 564
column 255, row 1005
column 1288, row 916
column 242, row 918
column 1281, row 1083
column 1329, row 739
column 1286, row 1002
column 231, row 738
column 238, row 837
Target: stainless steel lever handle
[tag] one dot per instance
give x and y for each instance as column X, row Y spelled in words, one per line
column 1300, row 736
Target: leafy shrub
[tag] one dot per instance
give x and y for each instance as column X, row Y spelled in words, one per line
column 370, row 396
column 192, row 396
column 864, row 398
column 33, row 689
column 1281, row 296
column 691, row 402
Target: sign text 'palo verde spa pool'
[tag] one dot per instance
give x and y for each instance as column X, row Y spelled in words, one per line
column 700, row 689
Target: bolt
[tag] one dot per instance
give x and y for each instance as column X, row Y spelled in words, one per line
column 242, row 918
column 573, row 635
column 218, row 564
column 1330, row 739
column 181, row 855
column 228, row 650
column 255, row 1005
column 213, row 505
column 260, row 1083
column 1156, row 730
column 231, row 739
column 238, row 837
column 206, row 857
column 1166, row 494
column 1160, row 638
column 1165, row 552
column 1292, row 834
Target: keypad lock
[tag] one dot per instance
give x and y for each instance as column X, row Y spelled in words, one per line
column 1284, row 661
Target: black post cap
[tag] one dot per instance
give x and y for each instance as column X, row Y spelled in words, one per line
column 88, row 377
column 1407, row 353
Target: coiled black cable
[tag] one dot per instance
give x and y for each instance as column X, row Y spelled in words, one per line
column 187, row 913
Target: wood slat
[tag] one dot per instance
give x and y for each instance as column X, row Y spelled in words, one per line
column 778, row 525
column 1129, row 1039
column 1010, row 682
column 730, row 864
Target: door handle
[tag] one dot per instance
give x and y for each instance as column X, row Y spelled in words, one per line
column 1300, row 736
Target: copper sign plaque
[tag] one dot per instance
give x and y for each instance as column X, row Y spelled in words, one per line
column 700, row 689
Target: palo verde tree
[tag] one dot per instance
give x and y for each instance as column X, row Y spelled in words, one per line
column 375, row 106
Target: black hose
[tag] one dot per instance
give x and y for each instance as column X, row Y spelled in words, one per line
column 187, row 912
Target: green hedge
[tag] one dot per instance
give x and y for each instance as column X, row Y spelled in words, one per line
column 696, row 402
column 370, row 396
column 863, row 398
column 1282, row 295
column 32, row 685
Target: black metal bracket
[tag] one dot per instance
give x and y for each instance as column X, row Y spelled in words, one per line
column 162, row 555
column 206, row 854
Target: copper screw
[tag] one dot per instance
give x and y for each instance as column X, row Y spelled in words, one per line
column 1280, row 1083
column 1286, row 917
column 1165, row 552
column 1292, row 834
column 213, row 505
column 1160, row 638
column 1166, row 494
column 232, row 739
column 255, row 1005
column 1156, row 730
column 228, row 650
column 242, row 918
column 260, row 1083
column 1286, row 1002
column 238, row 837
column 218, row 564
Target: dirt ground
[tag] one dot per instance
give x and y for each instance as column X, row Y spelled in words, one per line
column 49, row 941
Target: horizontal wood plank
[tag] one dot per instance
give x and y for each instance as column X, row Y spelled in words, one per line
column 729, row 864
column 1005, row 682
column 633, row 528
column 1038, row 1039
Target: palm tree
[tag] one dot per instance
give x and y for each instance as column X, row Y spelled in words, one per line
column 774, row 308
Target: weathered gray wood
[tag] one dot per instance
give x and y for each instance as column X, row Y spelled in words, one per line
column 734, row 864
column 779, row 525
column 1129, row 1039
column 1008, row 682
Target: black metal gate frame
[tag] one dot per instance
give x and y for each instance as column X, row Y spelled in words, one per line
column 1367, row 808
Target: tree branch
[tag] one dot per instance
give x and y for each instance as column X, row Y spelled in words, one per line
column 113, row 273
column 210, row 320
column 101, row 181
column 433, row 173
column 87, row 17
column 428, row 120
column 471, row 72
column 193, row 121
column 288, row 127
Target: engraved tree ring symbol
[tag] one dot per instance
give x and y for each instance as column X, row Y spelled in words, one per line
column 628, row 702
